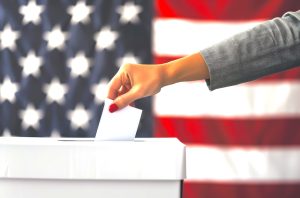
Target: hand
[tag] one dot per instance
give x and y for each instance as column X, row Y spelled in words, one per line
column 134, row 81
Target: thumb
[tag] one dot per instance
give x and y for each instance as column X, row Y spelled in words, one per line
column 124, row 100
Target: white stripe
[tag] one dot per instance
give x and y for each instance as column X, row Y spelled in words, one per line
column 243, row 164
column 176, row 37
column 193, row 99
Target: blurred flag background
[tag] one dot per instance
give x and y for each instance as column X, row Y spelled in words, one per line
column 243, row 141
column 56, row 58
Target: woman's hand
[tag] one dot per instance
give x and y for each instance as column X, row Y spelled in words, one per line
column 134, row 81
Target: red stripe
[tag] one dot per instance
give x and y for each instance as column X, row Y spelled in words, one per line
column 225, row 9
column 238, row 190
column 292, row 74
column 164, row 59
column 238, row 132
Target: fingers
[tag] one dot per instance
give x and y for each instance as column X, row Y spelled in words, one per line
column 113, row 87
column 118, row 84
column 127, row 98
column 123, row 87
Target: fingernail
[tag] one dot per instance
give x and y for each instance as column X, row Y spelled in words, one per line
column 113, row 107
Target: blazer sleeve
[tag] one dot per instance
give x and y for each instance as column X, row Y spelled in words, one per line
column 270, row 47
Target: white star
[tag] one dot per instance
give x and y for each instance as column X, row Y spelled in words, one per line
column 79, row 117
column 80, row 12
column 128, row 58
column 106, row 38
column 8, row 90
column 55, row 91
column 56, row 38
column 55, row 134
column 31, row 12
column 8, row 38
column 30, row 117
column 100, row 91
column 129, row 12
column 79, row 65
column 6, row 133
column 31, row 64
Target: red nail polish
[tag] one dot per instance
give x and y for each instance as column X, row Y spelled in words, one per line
column 113, row 107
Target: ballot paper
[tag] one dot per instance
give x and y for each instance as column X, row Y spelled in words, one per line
column 121, row 125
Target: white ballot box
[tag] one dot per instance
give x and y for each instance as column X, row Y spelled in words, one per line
column 85, row 168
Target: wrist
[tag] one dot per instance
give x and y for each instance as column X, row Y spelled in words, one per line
column 166, row 74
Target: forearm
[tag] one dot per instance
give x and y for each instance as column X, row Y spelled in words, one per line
column 188, row 68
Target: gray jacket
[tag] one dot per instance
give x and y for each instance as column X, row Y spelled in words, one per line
column 270, row 47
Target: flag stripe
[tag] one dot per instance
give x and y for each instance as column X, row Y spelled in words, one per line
column 238, row 190
column 219, row 140
column 230, row 132
column 223, row 10
column 191, row 36
column 276, row 99
column 243, row 164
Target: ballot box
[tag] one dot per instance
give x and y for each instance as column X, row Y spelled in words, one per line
column 85, row 168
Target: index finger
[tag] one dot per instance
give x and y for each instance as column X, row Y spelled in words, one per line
column 113, row 87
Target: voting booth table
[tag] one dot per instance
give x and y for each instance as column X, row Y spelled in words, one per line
column 76, row 168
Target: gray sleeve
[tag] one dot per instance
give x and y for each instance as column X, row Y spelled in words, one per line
column 270, row 47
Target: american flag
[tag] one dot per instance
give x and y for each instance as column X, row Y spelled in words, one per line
column 58, row 56
column 242, row 141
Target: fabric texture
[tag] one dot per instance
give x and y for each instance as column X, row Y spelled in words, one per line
column 270, row 47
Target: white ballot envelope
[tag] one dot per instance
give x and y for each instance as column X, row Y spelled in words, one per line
column 121, row 125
